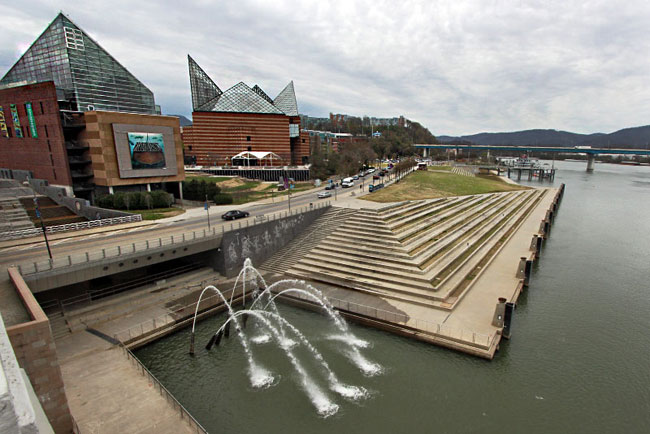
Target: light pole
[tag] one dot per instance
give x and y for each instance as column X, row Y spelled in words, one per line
column 38, row 214
column 207, row 209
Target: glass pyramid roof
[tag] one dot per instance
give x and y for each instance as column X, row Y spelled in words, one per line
column 242, row 99
column 203, row 88
column 80, row 67
column 286, row 100
column 206, row 96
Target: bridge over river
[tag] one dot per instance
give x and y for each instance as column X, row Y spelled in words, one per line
column 591, row 152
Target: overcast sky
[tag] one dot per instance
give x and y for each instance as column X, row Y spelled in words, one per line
column 456, row 66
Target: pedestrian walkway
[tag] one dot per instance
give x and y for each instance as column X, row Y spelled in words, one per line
column 107, row 393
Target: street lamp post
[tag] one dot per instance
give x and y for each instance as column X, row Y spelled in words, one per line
column 207, row 209
column 40, row 217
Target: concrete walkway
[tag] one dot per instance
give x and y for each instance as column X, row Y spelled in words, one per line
column 107, row 392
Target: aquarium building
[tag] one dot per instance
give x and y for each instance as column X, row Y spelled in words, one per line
column 242, row 121
column 73, row 115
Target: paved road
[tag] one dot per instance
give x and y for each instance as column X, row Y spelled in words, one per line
column 193, row 220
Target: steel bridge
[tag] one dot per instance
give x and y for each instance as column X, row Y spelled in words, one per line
column 591, row 152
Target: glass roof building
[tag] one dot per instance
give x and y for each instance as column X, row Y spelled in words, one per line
column 83, row 72
column 242, row 119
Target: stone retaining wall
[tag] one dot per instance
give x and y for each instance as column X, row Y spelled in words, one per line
column 35, row 351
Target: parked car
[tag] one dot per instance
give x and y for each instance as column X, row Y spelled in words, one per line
column 355, row 177
column 374, row 187
column 375, row 176
column 331, row 186
column 235, row 214
column 324, row 194
column 347, row 182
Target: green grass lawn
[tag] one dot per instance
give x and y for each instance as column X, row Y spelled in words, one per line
column 439, row 183
column 241, row 196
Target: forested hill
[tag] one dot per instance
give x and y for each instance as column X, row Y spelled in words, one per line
column 636, row 137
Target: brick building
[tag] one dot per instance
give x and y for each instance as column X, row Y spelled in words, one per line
column 240, row 119
column 70, row 113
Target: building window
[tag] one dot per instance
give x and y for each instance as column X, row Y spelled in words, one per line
column 74, row 39
column 189, row 147
column 43, row 112
column 248, row 138
column 46, row 133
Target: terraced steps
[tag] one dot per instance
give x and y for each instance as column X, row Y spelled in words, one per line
column 422, row 252
column 322, row 227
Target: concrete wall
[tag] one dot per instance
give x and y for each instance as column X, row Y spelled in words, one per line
column 35, row 351
column 125, row 261
column 259, row 242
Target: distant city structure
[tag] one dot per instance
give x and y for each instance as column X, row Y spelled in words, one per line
column 74, row 116
column 327, row 141
column 338, row 121
column 242, row 126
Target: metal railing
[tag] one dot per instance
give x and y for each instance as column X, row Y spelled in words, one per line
column 460, row 335
column 151, row 325
column 457, row 334
column 143, row 246
column 70, row 227
column 184, row 414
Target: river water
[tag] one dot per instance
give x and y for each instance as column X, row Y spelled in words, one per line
column 578, row 360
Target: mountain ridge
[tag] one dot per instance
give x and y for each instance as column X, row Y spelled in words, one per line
column 633, row 137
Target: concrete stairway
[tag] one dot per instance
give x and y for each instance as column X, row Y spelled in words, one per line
column 13, row 216
column 424, row 252
column 154, row 295
column 282, row 260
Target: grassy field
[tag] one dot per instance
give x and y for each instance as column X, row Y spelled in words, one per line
column 244, row 191
column 439, row 183
column 157, row 213
column 267, row 192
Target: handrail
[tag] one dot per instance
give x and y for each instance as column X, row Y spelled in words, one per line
column 143, row 246
column 70, row 227
column 465, row 336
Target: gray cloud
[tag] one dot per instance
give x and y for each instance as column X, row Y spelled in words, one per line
column 457, row 67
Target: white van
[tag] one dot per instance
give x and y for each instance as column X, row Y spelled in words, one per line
column 347, row 182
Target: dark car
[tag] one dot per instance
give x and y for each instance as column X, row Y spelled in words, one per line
column 235, row 214
column 330, row 186
column 375, row 176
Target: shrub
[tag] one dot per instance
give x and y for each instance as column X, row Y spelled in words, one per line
column 160, row 199
column 135, row 200
column 222, row 199
column 118, row 201
column 105, row 201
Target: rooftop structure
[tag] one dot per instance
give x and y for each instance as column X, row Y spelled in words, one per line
column 242, row 119
column 82, row 71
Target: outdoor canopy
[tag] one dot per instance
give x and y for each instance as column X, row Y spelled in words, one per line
column 260, row 156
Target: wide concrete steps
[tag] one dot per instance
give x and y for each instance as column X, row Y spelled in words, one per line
column 387, row 289
column 320, row 229
column 449, row 239
column 137, row 299
column 13, row 216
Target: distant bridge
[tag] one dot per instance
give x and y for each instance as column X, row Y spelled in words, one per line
column 591, row 152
